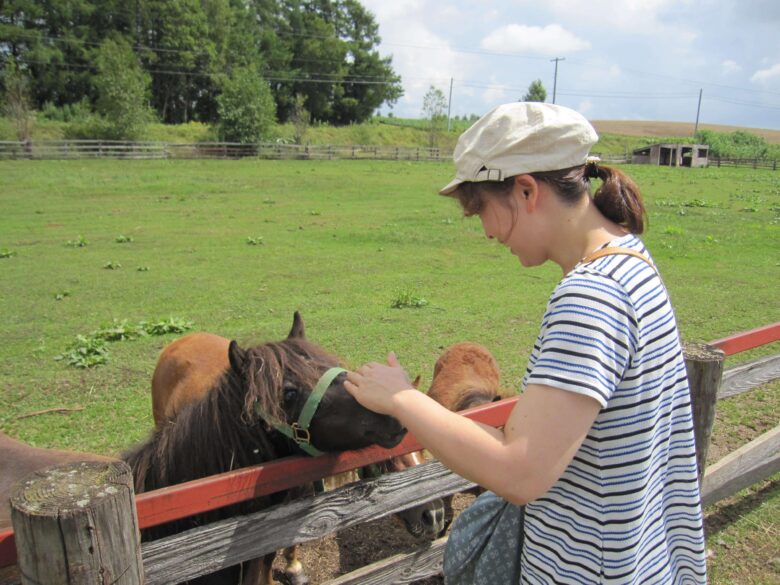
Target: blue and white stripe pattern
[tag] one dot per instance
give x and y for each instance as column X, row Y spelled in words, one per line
column 627, row 509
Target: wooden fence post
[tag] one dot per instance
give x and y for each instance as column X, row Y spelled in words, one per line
column 705, row 371
column 76, row 524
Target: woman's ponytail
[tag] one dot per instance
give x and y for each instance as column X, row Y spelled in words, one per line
column 618, row 198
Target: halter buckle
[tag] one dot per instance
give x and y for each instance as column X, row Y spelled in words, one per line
column 300, row 435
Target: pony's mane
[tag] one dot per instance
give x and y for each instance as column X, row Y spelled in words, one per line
column 300, row 360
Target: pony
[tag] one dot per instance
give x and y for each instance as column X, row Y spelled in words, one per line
column 249, row 416
column 241, row 421
column 18, row 460
column 186, row 372
column 464, row 376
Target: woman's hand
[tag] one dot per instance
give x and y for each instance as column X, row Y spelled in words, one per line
column 378, row 386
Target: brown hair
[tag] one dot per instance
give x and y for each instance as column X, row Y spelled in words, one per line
column 618, row 198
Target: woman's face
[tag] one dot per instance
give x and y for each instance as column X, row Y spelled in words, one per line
column 497, row 218
column 506, row 219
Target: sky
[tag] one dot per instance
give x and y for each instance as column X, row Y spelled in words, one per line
column 620, row 59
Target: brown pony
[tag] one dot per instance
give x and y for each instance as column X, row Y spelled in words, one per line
column 18, row 460
column 465, row 375
column 186, row 372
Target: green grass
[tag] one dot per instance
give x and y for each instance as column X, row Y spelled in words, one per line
column 343, row 242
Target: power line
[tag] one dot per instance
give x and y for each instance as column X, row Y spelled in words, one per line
column 22, row 32
column 278, row 76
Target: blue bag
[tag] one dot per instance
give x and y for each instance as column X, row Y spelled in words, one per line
column 485, row 544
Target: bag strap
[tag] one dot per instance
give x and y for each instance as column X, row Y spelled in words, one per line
column 609, row 251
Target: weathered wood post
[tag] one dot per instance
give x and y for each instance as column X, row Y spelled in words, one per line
column 76, row 524
column 705, row 371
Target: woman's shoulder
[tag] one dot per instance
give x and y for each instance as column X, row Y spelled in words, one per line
column 630, row 266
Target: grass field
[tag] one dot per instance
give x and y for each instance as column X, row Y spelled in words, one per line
column 236, row 246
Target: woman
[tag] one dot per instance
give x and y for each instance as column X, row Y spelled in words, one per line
column 599, row 448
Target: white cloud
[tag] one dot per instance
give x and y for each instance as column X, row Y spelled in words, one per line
column 764, row 75
column 631, row 16
column 729, row 66
column 420, row 56
column 550, row 40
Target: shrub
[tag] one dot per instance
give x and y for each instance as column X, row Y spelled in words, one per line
column 247, row 110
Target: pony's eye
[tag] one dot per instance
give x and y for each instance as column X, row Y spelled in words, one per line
column 290, row 393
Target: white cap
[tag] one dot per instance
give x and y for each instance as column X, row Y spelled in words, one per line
column 518, row 138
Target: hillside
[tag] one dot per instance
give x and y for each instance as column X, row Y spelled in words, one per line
column 670, row 129
column 616, row 137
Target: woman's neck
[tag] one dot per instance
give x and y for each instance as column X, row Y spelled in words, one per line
column 582, row 231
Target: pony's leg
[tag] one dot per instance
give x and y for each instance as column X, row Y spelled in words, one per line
column 260, row 571
column 294, row 567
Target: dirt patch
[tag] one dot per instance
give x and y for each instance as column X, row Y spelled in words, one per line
column 356, row 547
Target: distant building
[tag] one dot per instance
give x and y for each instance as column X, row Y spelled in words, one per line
column 672, row 155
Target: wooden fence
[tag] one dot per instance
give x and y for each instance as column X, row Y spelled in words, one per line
column 209, row 548
column 117, row 149
column 755, row 163
column 81, row 149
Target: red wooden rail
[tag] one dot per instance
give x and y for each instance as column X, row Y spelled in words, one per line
column 749, row 339
column 232, row 487
column 210, row 493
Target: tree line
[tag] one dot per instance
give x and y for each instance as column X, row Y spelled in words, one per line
column 241, row 64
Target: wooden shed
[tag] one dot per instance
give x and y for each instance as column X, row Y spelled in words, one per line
column 672, row 155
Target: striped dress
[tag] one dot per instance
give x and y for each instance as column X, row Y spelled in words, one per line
column 627, row 508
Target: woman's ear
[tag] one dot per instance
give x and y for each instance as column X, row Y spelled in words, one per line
column 527, row 192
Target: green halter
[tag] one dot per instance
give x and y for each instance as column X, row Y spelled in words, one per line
column 299, row 430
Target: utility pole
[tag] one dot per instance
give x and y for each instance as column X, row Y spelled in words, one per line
column 698, row 109
column 555, row 79
column 449, row 107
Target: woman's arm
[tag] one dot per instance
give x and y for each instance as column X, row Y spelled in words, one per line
column 519, row 463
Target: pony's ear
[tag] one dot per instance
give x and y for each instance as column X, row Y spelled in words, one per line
column 236, row 355
column 298, row 330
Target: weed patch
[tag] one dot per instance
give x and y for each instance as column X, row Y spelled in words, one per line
column 406, row 299
column 88, row 351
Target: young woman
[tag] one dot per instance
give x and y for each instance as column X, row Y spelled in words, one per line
column 599, row 448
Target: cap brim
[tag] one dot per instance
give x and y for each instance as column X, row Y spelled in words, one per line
column 451, row 187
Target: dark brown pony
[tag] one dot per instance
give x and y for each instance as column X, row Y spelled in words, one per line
column 221, row 431
column 187, row 371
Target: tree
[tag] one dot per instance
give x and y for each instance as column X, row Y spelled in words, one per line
column 179, row 54
column 122, row 89
column 246, row 107
column 435, row 113
column 16, row 102
column 536, row 92
column 51, row 42
column 370, row 80
column 301, row 118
